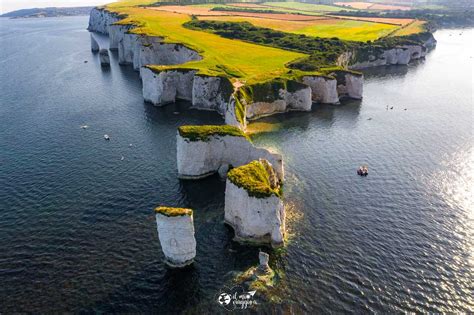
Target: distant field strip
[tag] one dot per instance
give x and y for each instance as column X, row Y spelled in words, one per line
column 401, row 22
column 303, row 6
column 370, row 6
column 205, row 11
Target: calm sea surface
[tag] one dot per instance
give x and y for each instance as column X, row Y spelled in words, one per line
column 77, row 230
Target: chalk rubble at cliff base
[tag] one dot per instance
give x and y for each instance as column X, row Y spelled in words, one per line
column 176, row 233
column 253, row 204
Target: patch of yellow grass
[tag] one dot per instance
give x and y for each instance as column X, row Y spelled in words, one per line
column 327, row 28
column 412, row 28
column 349, row 30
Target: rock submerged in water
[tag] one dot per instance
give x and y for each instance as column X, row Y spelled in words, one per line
column 261, row 279
column 104, row 58
column 253, row 204
column 263, row 259
column 176, row 233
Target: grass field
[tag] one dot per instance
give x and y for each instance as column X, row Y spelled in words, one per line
column 370, row 6
column 326, row 28
column 304, row 6
column 206, row 11
column 349, row 30
column 415, row 27
column 401, row 22
column 249, row 62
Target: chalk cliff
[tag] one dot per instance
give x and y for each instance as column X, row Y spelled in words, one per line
column 323, row 89
column 211, row 93
column 275, row 96
column 350, row 84
column 160, row 88
column 413, row 47
column 116, row 32
column 204, row 92
column 202, row 150
column 100, row 20
column 253, row 204
column 176, row 233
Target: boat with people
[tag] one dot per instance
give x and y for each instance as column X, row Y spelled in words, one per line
column 363, row 171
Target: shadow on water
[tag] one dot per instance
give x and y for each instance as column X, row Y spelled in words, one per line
column 180, row 113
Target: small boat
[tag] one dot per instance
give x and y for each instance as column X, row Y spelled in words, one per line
column 84, row 126
column 363, row 171
column 106, row 137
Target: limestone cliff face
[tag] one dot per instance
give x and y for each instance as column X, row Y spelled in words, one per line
column 177, row 239
column 100, row 20
column 211, row 93
column 232, row 116
column 116, row 33
column 152, row 51
column 254, row 219
column 126, row 48
column 167, row 86
column 197, row 159
column 402, row 55
column 205, row 92
column 399, row 55
column 323, row 89
column 277, row 97
column 349, row 84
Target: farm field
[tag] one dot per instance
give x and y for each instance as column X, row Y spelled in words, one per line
column 348, row 30
column 371, row 6
column 401, row 22
column 221, row 56
column 327, row 27
column 303, row 6
column 415, row 27
column 246, row 5
column 206, row 11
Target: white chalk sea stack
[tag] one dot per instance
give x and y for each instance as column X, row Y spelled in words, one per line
column 176, row 233
column 253, row 204
column 203, row 150
column 104, row 57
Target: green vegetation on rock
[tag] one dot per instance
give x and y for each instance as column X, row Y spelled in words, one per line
column 255, row 179
column 204, row 132
column 173, row 212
